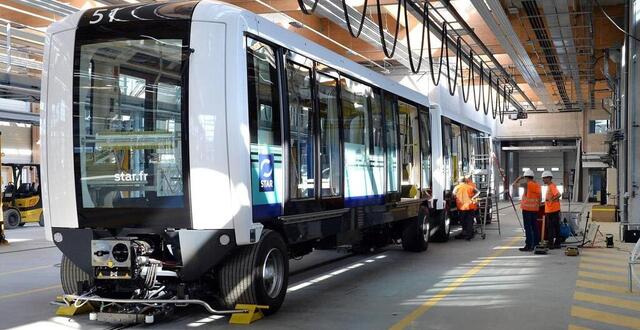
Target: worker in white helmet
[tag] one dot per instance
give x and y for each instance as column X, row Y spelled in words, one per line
column 530, row 204
column 552, row 211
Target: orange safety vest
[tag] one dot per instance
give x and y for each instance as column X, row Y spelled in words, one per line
column 531, row 200
column 464, row 192
column 549, row 205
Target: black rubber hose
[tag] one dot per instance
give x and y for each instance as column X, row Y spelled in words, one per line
column 436, row 81
column 452, row 87
column 496, row 92
column 387, row 53
column 477, row 97
column 415, row 68
column 304, row 9
column 465, row 95
column 348, row 19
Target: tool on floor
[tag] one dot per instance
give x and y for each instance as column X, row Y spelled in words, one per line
column 252, row 314
column 542, row 247
column 572, row 251
column 67, row 308
column 609, row 239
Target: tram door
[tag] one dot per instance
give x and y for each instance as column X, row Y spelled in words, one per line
column 409, row 150
column 313, row 134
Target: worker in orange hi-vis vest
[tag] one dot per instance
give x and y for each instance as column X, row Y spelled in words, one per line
column 466, row 195
column 530, row 204
column 552, row 211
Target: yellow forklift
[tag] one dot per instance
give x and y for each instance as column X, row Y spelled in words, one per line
column 21, row 199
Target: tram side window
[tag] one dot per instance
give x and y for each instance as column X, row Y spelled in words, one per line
column 456, row 153
column 330, row 162
column 465, row 151
column 391, row 138
column 474, row 150
column 446, row 151
column 264, row 106
column 355, row 121
column 425, row 149
column 301, row 141
column 376, row 150
column 409, row 149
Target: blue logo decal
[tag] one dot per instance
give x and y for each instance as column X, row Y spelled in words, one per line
column 265, row 162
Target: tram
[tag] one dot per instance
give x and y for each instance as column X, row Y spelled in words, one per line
column 190, row 149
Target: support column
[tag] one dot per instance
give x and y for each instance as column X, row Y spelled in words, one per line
column 630, row 153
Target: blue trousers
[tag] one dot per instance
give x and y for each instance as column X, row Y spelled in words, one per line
column 531, row 231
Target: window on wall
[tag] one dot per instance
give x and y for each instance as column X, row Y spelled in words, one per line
column 598, row 126
column 264, row 106
column 301, row 138
column 330, row 160
column 391, row 133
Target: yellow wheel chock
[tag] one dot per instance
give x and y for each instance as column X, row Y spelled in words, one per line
column 70, row 310
column 254, row 313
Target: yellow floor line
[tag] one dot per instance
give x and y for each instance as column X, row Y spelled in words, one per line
column 604, row 276
column 606, row 300
column 605, row 317
column 406, row 321
column 25, row 270
column 24, row 293
column 577, row 327
column 603, row 261
column 602, row 268
column 602, row 287
column 613, row 255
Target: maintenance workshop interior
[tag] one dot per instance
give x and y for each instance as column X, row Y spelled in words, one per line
column 320, row 164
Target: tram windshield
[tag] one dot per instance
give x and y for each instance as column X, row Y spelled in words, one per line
column 128, row 126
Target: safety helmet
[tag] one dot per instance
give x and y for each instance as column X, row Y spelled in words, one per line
column 529, row 172
column 546, row 174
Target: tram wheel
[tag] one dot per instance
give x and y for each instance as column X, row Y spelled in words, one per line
column 257, row 274
column 71, row 275
column 444, row 227
column 416, row 232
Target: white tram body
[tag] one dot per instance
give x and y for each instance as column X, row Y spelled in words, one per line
column 148, row 142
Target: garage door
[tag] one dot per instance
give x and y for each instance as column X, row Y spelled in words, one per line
column 544, row 161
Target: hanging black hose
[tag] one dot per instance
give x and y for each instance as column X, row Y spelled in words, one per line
column 381, row 30
column 414, row 68
column 494, row 107
column 348, row 19
column 465, row 95
column 485, row 104
column 477, row 98
column 436, row 81
column 452, row 87
column 489, row 103
column 304, row 9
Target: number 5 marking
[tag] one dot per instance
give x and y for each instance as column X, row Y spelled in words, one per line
column 97, row 15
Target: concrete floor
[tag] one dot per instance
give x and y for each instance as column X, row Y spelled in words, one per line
column 484, row 284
